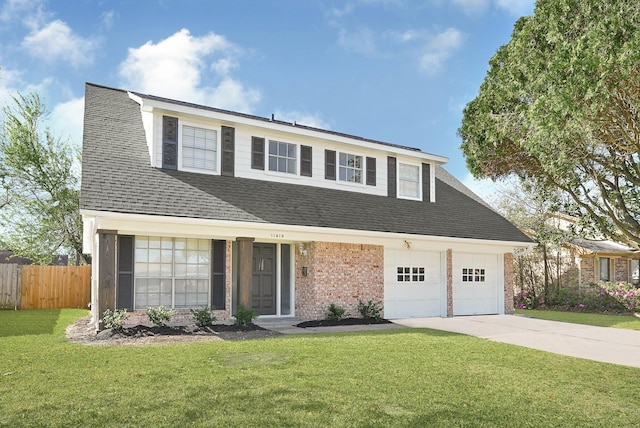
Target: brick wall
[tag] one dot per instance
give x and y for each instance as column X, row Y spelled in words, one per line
column 588, row 266
column 337, row 273
column 508, row 283
column 620, row 270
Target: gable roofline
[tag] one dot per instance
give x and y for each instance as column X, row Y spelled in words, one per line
column 150, row 102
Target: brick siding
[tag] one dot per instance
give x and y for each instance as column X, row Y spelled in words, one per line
column 508, row 283
column 342, row 274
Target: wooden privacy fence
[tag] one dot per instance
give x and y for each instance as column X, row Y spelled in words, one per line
column 44, row 287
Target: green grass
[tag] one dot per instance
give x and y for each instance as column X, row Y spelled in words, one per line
column 395, row 378
column 629, row 322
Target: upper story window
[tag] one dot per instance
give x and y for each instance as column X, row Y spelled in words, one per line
column 199, row 148
column 350, row 168
column 282, row 157
column 409, row 181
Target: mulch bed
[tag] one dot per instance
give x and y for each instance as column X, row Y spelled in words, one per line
column 82, row 332
column 344, row 321
column 147, row 331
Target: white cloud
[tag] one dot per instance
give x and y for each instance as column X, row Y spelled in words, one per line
column 301, row 118
column 177, row 67
column 56, row 41
column 108, row 18
column 438, row 49
column 67, row 120
column 517, row 7
column 361, row 41
column 15, row 10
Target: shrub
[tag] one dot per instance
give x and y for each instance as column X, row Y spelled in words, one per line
column 114, row 319
column 370, row 309
column 203, row 317
column 335, row 312
column 245, row 316
column 624, row 293
column 159, row 316
column 524, row 300
column 589, row 298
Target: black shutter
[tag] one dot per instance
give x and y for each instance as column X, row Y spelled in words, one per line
column 371, row 171
column 124, row 287
column 285, row 279
column 330, row 164
column 305, row 161
column 426, row 182
column 169, row 142
column 228, row 150
column 218, row 274
column 391, row 177
column 257, row 153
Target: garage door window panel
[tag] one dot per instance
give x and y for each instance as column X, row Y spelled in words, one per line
column 473, row 275
column 410, row 274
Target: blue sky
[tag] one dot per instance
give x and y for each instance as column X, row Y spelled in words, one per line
column 399, row 71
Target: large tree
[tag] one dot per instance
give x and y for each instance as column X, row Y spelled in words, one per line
column 560, row 108
column 39, row 203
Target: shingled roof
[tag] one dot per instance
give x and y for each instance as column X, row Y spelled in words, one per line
column 117, row 177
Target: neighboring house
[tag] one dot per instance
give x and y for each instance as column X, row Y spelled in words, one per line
column 604, row 260
column 190, row 206
column 7, row 257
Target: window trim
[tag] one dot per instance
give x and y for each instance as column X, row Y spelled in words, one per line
column 418, row 181
column 363, row 169
column 267, row 155
column 217, row 129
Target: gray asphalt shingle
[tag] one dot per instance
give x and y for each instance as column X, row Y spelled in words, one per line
column 117, row 177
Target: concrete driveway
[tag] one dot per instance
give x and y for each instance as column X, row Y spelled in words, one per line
column 609, row 345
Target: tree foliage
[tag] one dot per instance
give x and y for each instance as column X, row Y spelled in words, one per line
column 39, row 208
column 560, row 108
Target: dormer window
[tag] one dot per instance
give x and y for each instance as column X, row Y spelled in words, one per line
column 409, row 181
column 199, row 148
column 283, row 157
column 350, row 168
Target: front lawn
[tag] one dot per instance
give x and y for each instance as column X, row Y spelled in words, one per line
column 403, row 378
column 629, row 322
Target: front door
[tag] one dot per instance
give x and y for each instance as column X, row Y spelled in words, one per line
column 263, row 294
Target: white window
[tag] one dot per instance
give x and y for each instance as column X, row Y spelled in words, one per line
column 283, row 157
column 173, row 272
column 409, row 182
column 350, row 168
column 199, row 148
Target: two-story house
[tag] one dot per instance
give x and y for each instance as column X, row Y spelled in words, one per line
column 189, row 206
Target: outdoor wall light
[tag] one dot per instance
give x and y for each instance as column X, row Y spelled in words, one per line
column 302, row 248
column 305, row 271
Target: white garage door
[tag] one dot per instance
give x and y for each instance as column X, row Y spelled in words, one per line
column 475, row 284
column 412, row 284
